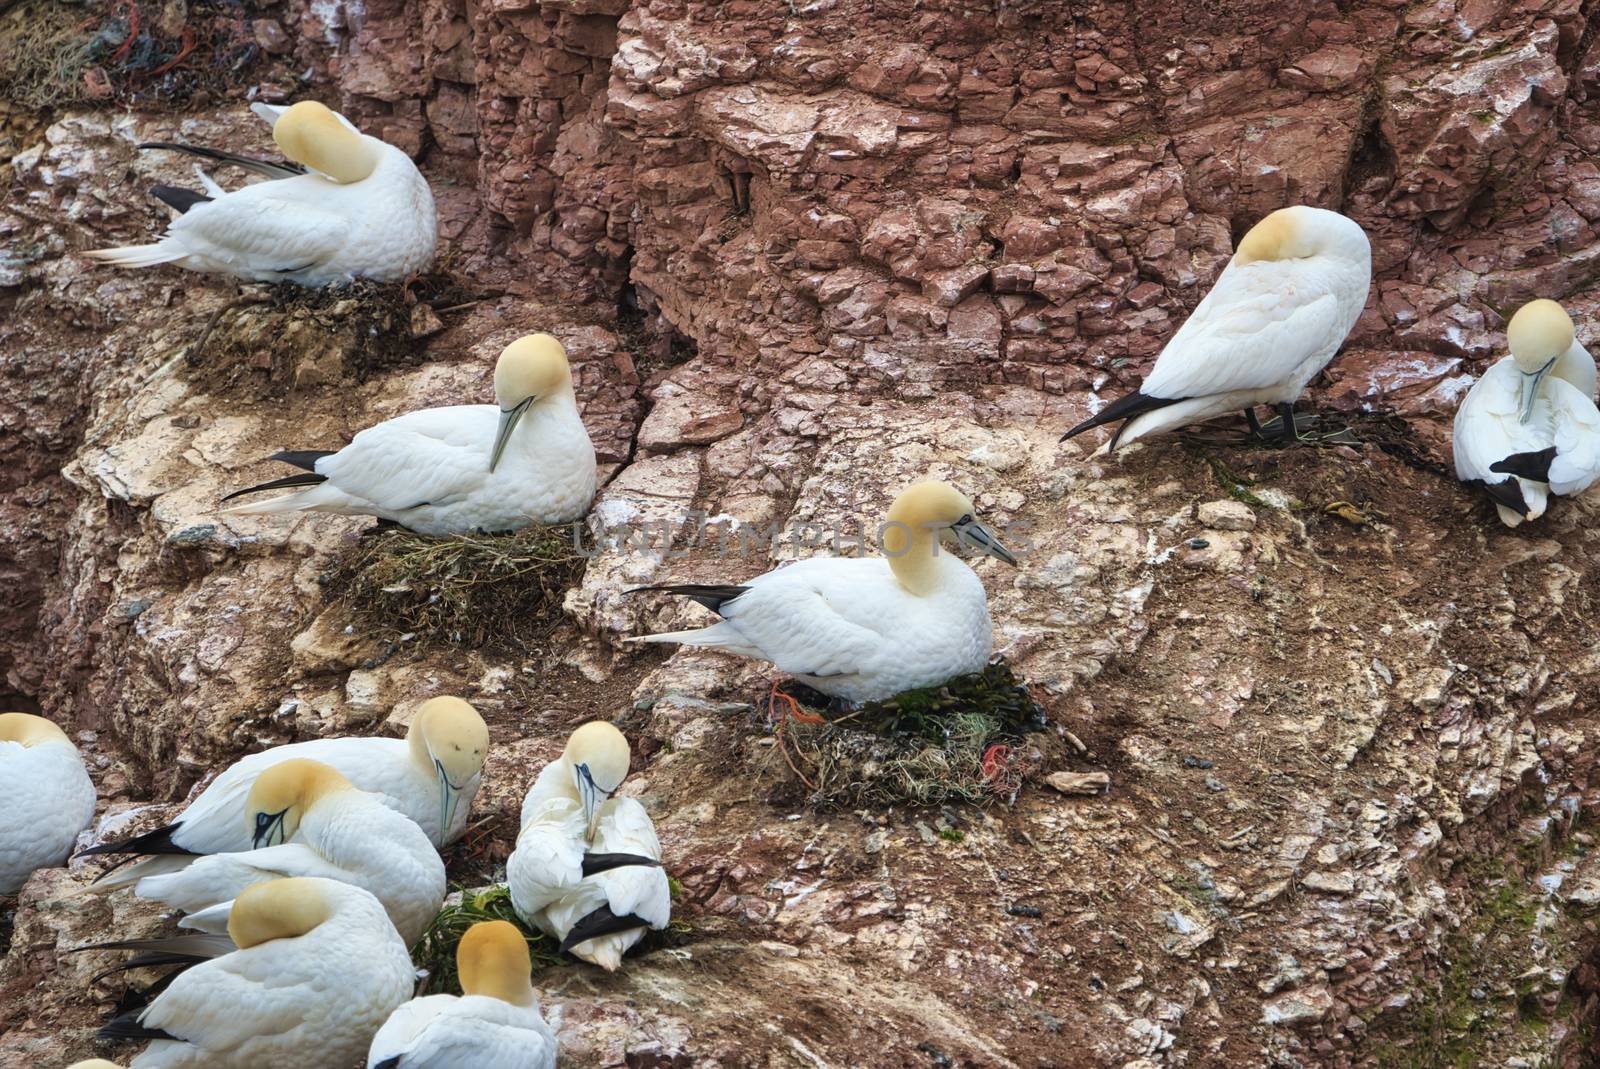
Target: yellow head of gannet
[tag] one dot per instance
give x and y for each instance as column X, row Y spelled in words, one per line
column 281, row 795
column 1538, row 334
column 450, row 740
column 25, row 729
column 492, row 959
column 1292, row 233
column 277, row 909
column 599, row 757
column 917, row 520
column 530, row 370
column 311, row 134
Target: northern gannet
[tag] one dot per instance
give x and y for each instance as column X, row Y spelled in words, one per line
column 495, row 1024
column 1529, row 427
column 430, row 776
column 45, row 794
column 586, row 868
column 1275, row 317
column 362, row 211
column 317, row 971
column 463, row 468
column 307, row 820
column 864, row 629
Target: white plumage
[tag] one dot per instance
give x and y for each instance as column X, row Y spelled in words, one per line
column 464, row 468
column 1529, row 427
column 496, row 1024
column 318, row 970
column 430, row 776
column 865, row 629
column 1275, row 317
column 45, row 794
column 363, row 211
column 569, row 829
column 333, row 831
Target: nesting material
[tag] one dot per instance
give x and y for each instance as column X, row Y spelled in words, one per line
column 972, row 739
column 436, row 950
column 502, row 591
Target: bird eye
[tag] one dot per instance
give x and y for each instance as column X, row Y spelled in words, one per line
column 963, row 521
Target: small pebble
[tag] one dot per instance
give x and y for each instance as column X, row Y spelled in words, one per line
column 1197, row 543
column 1195, row 762
column 1016, row 909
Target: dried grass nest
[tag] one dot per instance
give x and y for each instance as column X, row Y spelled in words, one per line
column 479, row 590
column 972, row 739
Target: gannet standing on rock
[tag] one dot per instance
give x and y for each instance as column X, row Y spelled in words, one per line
column 45, row 795
column 430, row 776
column 1275, row 317
column 1529, row 427
column 307, row 820
column 495, row 1024
column 586, row 868
column 464, row 468
column 318, row 970
column 864, row 629
column 363, row 211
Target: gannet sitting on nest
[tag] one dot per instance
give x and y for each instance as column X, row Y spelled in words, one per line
column 307, row 820
column 495, row 1024
column 1276, row 316
column 363, row 211
column 586, row 868
column 869, row 628
column 430, row 776
column 460, row 469
column 318, row 970
column 45, row 795
column 1529, row 427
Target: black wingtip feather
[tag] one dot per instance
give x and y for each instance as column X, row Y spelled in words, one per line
column 309, row 478
column 177, row 198
column 390, row 1063
column 1507, row 493
column 302, row 458
column 156, row 841
column 712, row 595
column 1126, row 407
column 1535, row 465
column 597, row 863
column 601, row 922
column 127, row 1026
column 269, row 168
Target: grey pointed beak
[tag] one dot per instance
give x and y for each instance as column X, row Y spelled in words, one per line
column 449, row 797
column 974, row 534
column 591, row 796
column 508, row 423
column 269, row 830
column 1528, row 394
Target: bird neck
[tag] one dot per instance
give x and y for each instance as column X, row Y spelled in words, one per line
column 1577, row 367
column 914, row 555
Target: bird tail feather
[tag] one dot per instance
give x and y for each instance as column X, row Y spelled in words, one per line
column 157, row 865
column 140, row 255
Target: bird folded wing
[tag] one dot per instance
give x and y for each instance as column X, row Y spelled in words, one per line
column 396, row 467
column 1577, row 439
column 800, row 630
column 262, row 233
column 1252, row 341
column 222, row 1003
column 220, row 877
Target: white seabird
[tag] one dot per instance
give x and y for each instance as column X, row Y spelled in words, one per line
column 495, row 1024
column 362, row 211
column 1275, row 317
column 464, row 468
column 45, row 794
column 1529, row 427
column 586, row 868
column 318, row 969
column 864, row 629
column 430, row 776
column 307, row 820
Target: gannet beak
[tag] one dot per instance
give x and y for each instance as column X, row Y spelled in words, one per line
column 269, row 112
column 970, row 532
column 1529, row 391
column 449, row 795
column 590, row 794
column 508, row 422
column 269, row 830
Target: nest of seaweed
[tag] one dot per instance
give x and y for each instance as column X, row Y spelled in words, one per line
column 436, row 950
column 147, row 55
column 479, row 590
column 972, row 739
column 291, row 335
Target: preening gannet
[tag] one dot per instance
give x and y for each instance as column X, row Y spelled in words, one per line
column 45, row 797
column 864, row 629
column 306, row 819
column 525, row 459
column 495, row 1024
column 1276, row 316
column 430, row 776
column 586, row 868
column 362, row 211
column 317, row 971
column 1529, row 427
